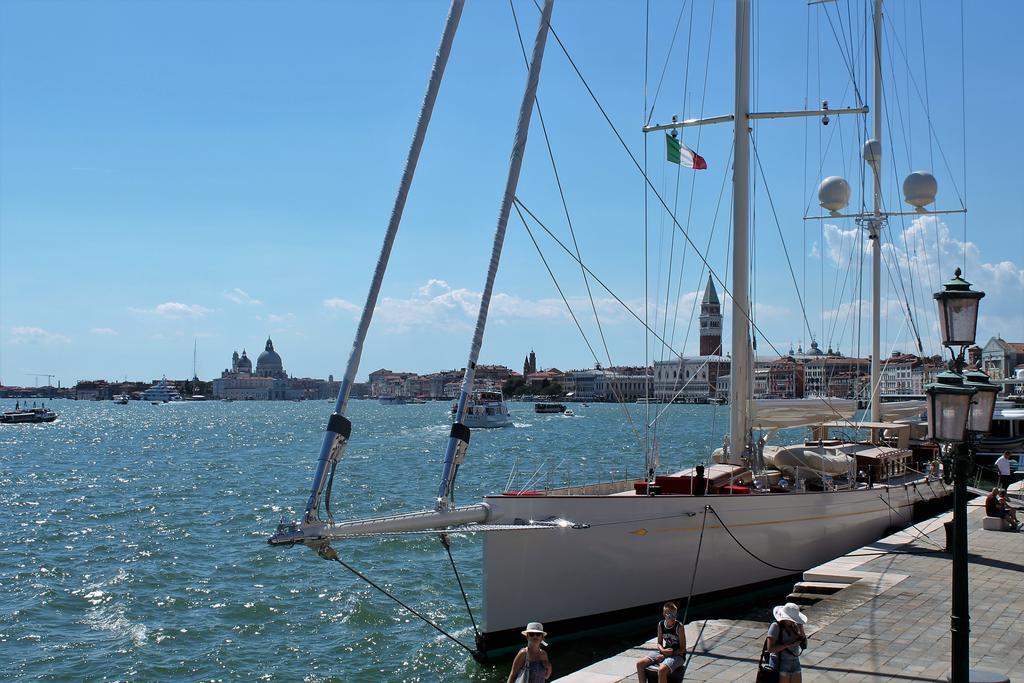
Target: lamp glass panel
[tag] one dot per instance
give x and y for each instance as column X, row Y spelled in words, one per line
column 980, row 419
column 947, row 416
column 961, row 317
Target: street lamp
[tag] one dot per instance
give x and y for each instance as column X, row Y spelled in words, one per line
column 955, row 409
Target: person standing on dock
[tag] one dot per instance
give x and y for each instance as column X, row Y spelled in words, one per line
column 1003, row 467
column 671, row 646
column 531, row 664
column 786, row 642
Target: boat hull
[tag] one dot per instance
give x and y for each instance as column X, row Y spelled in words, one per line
column 643, row 550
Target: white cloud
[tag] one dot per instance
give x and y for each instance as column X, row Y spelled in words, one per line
column 174, row 310
column 103, row 331
column 340, row 305
column 240, row 296
column 36, row 335
column 916, row 261
column 436, row 304
column 287, row 317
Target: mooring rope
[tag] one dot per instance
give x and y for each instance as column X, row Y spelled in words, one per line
column 689, row 598
column 920, row 534
column 329, row 553
column 747, row 551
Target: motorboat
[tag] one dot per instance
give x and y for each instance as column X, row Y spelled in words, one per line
column 485, row 409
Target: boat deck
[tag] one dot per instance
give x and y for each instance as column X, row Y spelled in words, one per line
column 891, row 622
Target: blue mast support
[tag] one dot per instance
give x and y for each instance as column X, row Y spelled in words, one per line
column 338, row 426
column 458, row 441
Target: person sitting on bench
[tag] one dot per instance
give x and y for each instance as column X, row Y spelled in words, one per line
column 995, row 506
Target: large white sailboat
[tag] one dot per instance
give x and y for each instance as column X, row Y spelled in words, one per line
column 611, row 550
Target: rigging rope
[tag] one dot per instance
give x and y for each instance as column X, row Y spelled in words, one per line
column 778, row 225
column 329, row 553
column 446, row 542
column 572, row 233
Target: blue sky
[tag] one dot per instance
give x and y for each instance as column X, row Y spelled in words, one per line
column 221, row 172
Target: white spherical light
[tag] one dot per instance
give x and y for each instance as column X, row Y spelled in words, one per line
column 872, row 151
column 834, row 194
column 919, row 189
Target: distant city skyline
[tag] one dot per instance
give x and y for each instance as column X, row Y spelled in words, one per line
column 217, row 173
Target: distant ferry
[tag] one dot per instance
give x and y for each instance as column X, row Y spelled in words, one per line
column 28, row 415
column 162, row 392
column 393, row 400
column 549, row 408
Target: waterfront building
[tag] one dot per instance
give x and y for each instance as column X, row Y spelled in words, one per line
column 1000, row 359
column 905, row 375
column 269, row 381
column 694, row 379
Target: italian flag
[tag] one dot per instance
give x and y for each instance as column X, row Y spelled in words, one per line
column 678, row 153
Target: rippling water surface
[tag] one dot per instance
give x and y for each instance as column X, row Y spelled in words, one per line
column 133, row 540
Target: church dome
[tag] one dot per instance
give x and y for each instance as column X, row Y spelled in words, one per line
column 269, row 363
column 244, row 364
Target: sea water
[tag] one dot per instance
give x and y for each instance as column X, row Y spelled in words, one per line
column 134, row 536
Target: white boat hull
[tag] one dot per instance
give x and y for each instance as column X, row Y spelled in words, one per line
column 641, row 550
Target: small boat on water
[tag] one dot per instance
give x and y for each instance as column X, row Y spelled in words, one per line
column 485, row 409
column 28, row 415
column 549, row 407
column 121, row 399
column 569, row 413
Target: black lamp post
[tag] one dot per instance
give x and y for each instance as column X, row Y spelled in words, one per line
column 954, row 407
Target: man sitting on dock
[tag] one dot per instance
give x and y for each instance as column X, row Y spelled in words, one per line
column 995, row 506
column 671, row 647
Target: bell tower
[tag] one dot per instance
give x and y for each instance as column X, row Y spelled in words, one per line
column 710, row 322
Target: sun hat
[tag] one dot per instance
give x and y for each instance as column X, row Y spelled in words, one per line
column 790, row 611
column 535, row 627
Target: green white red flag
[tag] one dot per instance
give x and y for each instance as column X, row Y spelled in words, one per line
column 678, row 153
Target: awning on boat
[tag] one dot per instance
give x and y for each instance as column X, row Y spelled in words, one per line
column 799, row 412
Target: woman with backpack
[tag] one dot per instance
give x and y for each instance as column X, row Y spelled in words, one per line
column 786, row 641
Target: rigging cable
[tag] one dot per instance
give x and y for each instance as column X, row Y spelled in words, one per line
column 330, row 553
column 648, row 455
column 446, row 542
column 652, row 190
column 650, row 113
column 519, row 206
column 963, row 121
column 778, row 225
column 572, row 233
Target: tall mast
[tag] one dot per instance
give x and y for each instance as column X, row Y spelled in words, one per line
column 338, row 426
column 740, row 386
column 458, row 441
column 875, row 229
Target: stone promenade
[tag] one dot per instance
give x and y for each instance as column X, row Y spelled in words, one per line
column 891, row 622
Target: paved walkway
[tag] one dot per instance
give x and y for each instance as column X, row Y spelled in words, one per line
column 890, row 624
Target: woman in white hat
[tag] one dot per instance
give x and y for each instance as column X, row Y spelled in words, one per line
column 786, row 641
column 531, row 664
